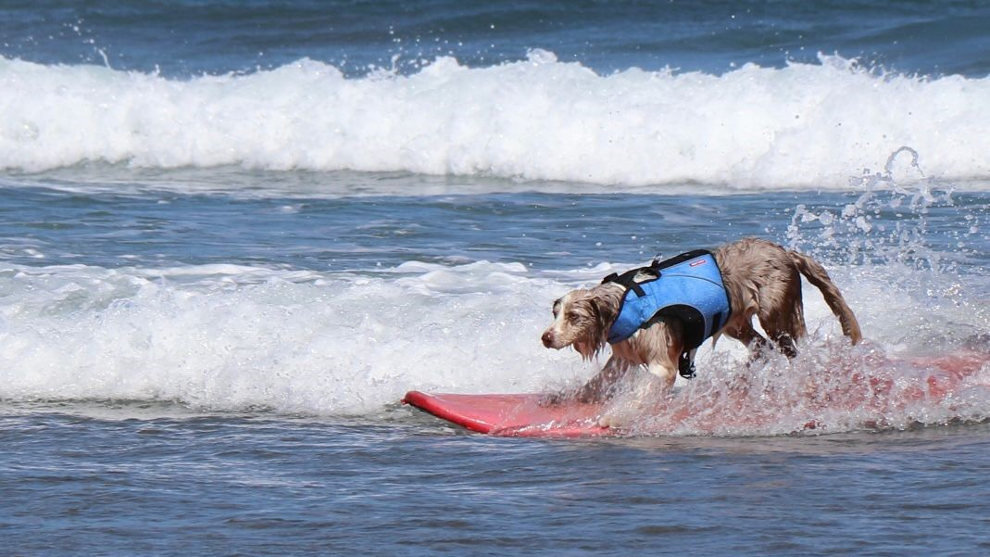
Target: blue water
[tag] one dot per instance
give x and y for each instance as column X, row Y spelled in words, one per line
column 215, row 37
column 233, row 235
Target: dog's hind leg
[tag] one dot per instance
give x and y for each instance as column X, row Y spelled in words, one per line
column 758, row 345
column 744, row 332
column 784, row 322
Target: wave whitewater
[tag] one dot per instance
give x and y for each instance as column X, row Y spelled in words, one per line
column 801, row 126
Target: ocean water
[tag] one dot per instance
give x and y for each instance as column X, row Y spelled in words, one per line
column 234, row 234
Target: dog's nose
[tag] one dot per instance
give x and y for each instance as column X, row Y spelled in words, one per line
column 547, row 339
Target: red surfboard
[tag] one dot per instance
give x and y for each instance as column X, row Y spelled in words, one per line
column 512, row 415
column 523, row 415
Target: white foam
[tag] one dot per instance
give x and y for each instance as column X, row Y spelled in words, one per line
column 221, row 337
column 801, row 126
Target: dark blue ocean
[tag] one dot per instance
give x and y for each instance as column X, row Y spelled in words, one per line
column 234, row 234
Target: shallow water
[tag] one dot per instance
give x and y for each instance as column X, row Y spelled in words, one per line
column 104, row 481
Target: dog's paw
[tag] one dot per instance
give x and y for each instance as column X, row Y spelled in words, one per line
column 625, row 417
column 609, row 421
column 615, row 420
column 621, row 414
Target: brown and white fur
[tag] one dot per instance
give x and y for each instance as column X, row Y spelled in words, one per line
column 761, row 278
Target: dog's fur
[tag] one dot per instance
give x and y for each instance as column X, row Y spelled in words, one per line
column 761, row 278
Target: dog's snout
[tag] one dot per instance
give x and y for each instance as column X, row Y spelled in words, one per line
column 547, row 338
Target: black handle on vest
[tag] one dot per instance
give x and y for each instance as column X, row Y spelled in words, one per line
column 685, row 366
column 628, row 278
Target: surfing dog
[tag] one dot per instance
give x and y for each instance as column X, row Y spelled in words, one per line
column 739, row 280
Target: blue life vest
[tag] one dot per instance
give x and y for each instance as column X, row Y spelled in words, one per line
column 687, row 287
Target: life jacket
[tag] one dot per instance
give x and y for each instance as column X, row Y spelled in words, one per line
column 687, row 287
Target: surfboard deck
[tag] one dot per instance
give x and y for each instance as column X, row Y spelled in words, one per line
column 512, row 415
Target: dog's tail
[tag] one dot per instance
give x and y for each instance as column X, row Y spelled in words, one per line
column 816, row 275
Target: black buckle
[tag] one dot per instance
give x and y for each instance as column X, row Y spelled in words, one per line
column 685, row 366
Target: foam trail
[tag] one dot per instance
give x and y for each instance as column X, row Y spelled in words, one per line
column 802, row 126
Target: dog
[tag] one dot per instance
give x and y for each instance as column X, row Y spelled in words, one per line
column 758, row 278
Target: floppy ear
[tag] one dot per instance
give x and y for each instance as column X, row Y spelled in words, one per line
column 605, row 311
column 601, row 312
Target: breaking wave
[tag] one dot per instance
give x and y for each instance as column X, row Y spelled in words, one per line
column 800, row 126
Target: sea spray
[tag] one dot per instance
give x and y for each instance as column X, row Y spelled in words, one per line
column 906, row 235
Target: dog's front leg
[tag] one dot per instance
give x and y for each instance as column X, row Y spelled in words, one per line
column 665, row 371
column 602, row 386
column 653, row 388
column 649, row 390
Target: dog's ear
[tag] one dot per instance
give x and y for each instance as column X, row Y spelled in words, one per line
column 600, row 311
column 605, row 311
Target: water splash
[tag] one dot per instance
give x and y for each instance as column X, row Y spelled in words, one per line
column 887, row 223
column 826, row 390
column 923, row 252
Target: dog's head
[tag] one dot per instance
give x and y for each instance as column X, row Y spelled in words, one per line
column 582, row 318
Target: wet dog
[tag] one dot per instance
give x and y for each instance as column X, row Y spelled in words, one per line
column 759, row 278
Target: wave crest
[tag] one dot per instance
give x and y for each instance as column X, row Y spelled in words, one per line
column 804, row 125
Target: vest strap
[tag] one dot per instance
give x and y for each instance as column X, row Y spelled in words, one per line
column 628, row 278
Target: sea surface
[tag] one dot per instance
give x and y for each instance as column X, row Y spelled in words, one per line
column 234, row 234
